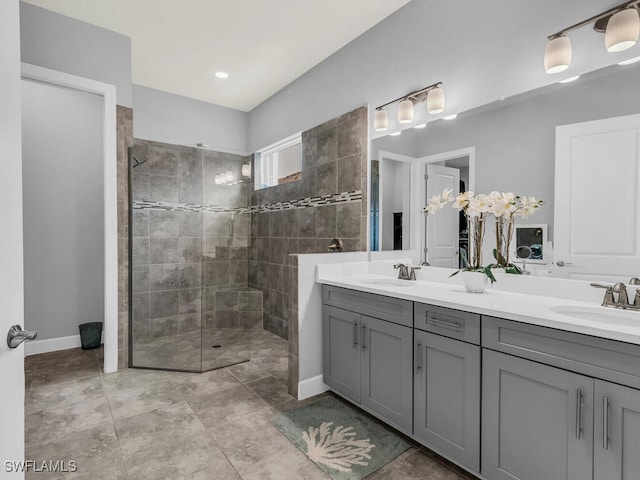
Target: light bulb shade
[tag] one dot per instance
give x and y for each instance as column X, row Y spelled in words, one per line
column 622, row 31
column 557, row 55
column 435, row 100
column 381, row 121
column 246, row 170
column 228, row 176
column 405, row 111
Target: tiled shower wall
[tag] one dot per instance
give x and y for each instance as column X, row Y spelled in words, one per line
column 303, row 216
column 124, row 126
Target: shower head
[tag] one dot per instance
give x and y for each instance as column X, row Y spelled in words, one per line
column 136, row 162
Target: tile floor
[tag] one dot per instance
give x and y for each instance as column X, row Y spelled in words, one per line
column 145, row 424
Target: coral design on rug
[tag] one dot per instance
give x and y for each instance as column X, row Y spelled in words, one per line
column 337, row 449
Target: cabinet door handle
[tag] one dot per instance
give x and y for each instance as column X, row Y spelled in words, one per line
column 579, row 414
column 419, row 357
column 364, row 336
column 455, row 325
column 355, row 334
column 605, row 423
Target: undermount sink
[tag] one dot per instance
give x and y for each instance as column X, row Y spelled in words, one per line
column 599, row 314
column 387, row 282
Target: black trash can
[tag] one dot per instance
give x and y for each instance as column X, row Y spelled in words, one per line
column 90, row 335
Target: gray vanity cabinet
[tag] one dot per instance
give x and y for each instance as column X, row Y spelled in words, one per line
column 367, row 359
column 341, row 349
column 386, row 387
column 537, row 421
column 617, row 432
column 447, row 396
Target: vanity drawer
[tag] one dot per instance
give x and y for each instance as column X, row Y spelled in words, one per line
column 378, row 306
column 610, row 360
column 447, row 322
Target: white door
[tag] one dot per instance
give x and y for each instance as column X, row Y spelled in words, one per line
column 11, row 290
column 442, row 228
column 597, row 198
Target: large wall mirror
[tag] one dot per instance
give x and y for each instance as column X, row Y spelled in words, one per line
column 510, row 146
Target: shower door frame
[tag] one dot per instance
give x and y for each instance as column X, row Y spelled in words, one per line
column 108, row 94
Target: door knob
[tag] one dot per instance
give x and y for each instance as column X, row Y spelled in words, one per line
column 16, row 336
column 561, row 263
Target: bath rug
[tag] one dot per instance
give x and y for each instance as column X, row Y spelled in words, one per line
column 343, row 442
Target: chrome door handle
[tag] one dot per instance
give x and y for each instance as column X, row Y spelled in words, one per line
column 419, row 357
column 364, row 336
column 562, row 263
column 605, row 423
column 355, row 334
column 455, row 325
column 579, row 414
column 16, row 336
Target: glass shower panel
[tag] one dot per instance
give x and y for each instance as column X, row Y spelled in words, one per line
column 191, row 308
column 231, row 309
column 166, row 256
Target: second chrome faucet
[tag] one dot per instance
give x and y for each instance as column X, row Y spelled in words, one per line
column 618, row 290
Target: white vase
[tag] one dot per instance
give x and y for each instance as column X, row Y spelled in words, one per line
column 475, row 282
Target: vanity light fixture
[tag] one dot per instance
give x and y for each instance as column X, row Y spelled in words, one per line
column 453, row 116
column 570, row 79
column 405, row 111
column 381, row 121
column 246, row 169
column 621, row 26
column 630, row 61
column 433, row 95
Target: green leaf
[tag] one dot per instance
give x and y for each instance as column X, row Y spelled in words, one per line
column 489, row 273
column 455, row 273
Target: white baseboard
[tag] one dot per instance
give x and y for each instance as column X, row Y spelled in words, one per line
column 52, row 345
column 310, row 387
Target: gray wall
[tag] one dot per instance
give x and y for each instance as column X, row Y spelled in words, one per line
column 482, row 51
column 515, row 143
column 169, row 118
column 63, row 209
column 62, row 43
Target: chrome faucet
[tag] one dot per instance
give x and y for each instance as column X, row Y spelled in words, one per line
column 622, row 300
column 406, row 272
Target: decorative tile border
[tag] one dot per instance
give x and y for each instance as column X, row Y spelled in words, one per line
column 344, row 197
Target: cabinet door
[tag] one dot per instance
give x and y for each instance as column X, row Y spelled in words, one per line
column 537, row 421
column 617, row 414
column 387, row 380
column 341, row 351
column 447, row 397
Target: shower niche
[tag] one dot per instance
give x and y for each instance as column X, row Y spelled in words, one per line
column 190, row 228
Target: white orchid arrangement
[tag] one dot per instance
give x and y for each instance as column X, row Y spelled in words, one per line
column 476, row 207
column 498, row 204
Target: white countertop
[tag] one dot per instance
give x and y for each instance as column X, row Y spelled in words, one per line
column 535, row 309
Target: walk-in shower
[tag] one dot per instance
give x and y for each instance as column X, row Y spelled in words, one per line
column 191, row 308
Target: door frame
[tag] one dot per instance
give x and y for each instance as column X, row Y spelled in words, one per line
column 109, row 155
column 420, row 192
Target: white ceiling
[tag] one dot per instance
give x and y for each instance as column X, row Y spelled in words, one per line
column 263, row 45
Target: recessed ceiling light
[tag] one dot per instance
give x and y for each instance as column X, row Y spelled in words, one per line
column 422, row 125
column 222, row 75
column 451, row 117
column 629, row 61
column 570, row 79
column 395, row 134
